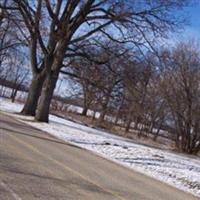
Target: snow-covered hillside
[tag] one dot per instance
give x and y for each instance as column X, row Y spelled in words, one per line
column 180, row 171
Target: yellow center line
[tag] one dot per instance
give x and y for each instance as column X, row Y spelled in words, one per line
column 66, row 167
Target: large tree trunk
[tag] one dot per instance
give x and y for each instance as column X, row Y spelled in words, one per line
column 13, row 95
column 104, row 109
column 85, row 110
column 118, row 111
column 43, row 107
column 117, row 117
column 102, row 116
column 129, row 120
column 85, row 106
column 33, row 95
column 128, row 125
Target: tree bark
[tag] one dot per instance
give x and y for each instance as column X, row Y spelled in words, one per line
column 43, row 107
column 94, row 115
column 117, row 117
column 33, row 95
column 13, row 95
column 85, row 110
column 128, row 125
column 102, row 116
column 85, row 105
column 104, row 109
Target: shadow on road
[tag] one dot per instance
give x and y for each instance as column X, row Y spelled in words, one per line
column 31, row 132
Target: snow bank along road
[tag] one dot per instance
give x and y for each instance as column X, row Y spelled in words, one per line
column 34, row 165
column 180, row 171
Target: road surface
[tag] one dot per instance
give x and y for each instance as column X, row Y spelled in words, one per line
column 35, row 165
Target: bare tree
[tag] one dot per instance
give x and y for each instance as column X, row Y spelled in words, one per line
column 84, row 69
column 15, row 75
column 18, row 77
column 51, row 28
column 9, row 45
column 180, row 88
column 137, row 79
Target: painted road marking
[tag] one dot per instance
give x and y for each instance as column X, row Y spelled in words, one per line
column 66, row 167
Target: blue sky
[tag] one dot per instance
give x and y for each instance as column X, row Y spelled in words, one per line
column 193, row 29
column 194, row 12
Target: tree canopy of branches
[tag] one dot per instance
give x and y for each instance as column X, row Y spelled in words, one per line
column 148, row 94
column 180, row 89
column 53, row 29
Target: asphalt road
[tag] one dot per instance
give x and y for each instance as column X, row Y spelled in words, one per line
column 34, row 165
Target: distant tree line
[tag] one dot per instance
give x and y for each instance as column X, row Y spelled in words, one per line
column 147, row 93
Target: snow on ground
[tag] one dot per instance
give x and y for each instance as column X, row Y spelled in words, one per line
column 180, row 171
column 6, row 91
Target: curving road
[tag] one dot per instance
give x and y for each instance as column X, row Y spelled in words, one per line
column 34, row 165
